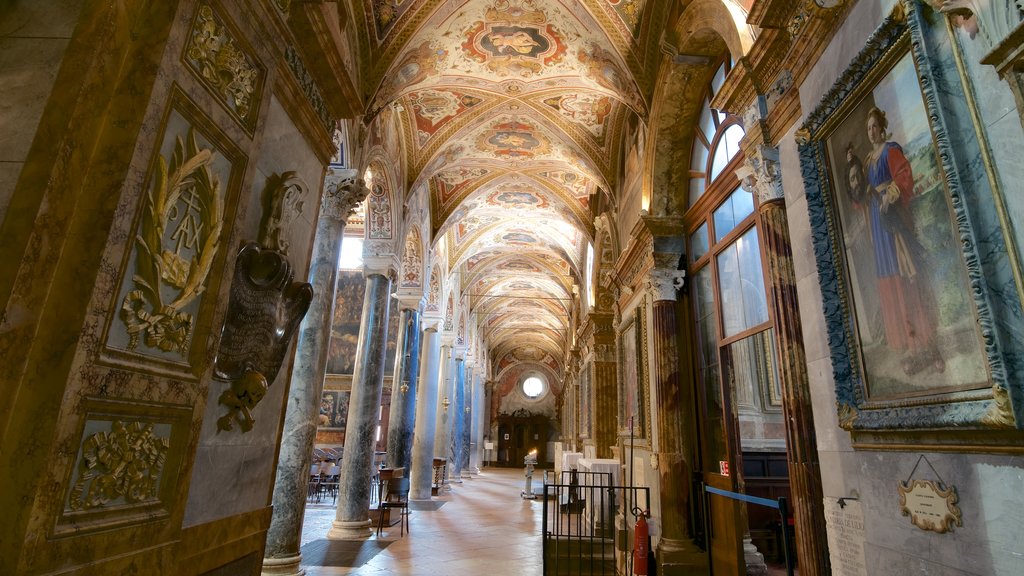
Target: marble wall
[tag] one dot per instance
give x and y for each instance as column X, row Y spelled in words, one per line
column 92, row 358
column 990, row 540
column 33, row 39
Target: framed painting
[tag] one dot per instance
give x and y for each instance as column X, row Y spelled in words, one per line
column 333, row 409
column 905, row 299
column 632, row 415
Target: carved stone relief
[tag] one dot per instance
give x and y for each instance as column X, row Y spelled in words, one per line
column 123, row 465
column 216, row 58
column 176, row 242
column 343, row 193
column 663, row 284
column 283, row 202
column 264, row 311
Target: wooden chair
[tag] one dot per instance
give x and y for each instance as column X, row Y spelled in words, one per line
column 395, row 497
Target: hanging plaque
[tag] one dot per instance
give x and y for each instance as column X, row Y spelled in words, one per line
column 929, row 505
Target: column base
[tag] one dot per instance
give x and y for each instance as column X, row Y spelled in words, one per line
column 287, row 566
column 357, row 530
column 681, row 558
column 754, row 559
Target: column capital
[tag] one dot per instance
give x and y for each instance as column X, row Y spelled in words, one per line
column 663, row 283
column 343, row 192
column 761, row 173
column 410, row 299
column 379, row 258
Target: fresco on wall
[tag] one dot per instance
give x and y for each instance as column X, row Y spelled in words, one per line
column 348, row 311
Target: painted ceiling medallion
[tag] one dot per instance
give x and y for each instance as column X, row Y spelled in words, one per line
column 590, row 110
column 433, row 109
column 513, row 140
column 514, row 40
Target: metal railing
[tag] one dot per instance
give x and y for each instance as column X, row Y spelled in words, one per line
column 580, row 533
column 780, row 504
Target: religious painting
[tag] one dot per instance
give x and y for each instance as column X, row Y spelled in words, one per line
column 514, row 41
column 513, row 140
column 890, row 243
column 348, row 312
column 631, row 402
column 333, row 409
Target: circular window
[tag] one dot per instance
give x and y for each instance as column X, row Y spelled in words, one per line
column 533, row 387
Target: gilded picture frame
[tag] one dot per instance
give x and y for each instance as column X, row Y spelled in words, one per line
column 632, row 377
column 906, row 301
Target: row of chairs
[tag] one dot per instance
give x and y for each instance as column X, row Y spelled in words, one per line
column 323, row 482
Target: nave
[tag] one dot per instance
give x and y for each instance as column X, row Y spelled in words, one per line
column 483, row 526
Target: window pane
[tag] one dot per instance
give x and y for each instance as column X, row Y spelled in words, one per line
column 696, row 189
column 741, row 285
column 718, row 80
column 737, row 207
column 721, row 159
column 707, row 123
column 698, row 156
column 733, row 135
column 704, row 313
column 699, row 242
column 752, row 374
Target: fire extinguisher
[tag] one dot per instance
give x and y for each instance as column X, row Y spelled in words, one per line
column 640, row 546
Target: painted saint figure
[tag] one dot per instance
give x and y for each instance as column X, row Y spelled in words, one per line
column 884, row 191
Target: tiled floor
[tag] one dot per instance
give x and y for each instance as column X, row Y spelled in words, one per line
column 484, row 527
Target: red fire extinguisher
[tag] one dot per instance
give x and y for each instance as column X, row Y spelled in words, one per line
column 640, row 538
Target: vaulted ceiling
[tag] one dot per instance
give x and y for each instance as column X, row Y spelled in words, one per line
column 513, row 116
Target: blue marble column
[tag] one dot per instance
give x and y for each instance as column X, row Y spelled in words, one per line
column 445, row 397
column 352, row 521
column 467, row 422
column 421, row 475
column 477, row 452
column 458, row 416
column 402, row 420
column 342, row 193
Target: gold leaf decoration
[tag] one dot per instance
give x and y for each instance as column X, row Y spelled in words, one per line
column 177, row 241
column 1000, row 414
column 124, row 463
column 215, row 56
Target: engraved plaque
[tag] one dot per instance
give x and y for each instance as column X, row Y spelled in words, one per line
column 845, row 524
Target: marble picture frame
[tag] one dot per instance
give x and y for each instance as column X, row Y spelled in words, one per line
column 885, row 381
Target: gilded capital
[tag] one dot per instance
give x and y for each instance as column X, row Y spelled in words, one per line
column 663, row 283
column 343, row 192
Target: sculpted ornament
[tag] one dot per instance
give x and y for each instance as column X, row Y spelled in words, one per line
column 264, row 312
column 342, row 195
column 765, row 177
column 996, row 18
column 183, row 211
column 123, row 463
column 283, row 197
column 663, row 284
column 216, row 58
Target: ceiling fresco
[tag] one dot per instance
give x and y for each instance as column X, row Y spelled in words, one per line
column 512, row 118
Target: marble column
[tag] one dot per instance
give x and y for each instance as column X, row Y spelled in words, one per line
column 402, row 420
column 676, row 551
column 352, row 520
column 605, row 389
column 445, row 397
column 476, row 424
column 342, row 193
column 422, row 473
column 801, row 442
column 458, row 419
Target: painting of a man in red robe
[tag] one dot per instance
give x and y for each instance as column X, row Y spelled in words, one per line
column 882, row 187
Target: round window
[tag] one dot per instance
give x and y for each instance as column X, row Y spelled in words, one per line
column 533, row 387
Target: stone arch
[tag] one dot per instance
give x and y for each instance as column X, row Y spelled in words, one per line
column 708, row 31
column 380, row 203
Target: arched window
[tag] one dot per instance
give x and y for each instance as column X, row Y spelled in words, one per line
column 716, row 139
column 735, row 334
